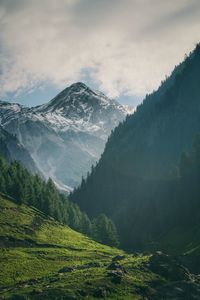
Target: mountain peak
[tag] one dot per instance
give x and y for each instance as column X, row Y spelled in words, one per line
column 74, row 88
column 67, row 133
column 78, row 85
column 76, row 95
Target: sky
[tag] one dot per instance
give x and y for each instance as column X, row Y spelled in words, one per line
column 123, row 48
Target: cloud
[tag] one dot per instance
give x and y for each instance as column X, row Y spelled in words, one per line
column 126, row 47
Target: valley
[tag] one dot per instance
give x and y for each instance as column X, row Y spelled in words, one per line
column 149, row 170
column 99, row 202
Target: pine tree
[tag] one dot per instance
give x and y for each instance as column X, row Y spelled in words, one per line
column 105, row 230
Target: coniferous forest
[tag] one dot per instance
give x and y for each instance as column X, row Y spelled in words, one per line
column 21, row 185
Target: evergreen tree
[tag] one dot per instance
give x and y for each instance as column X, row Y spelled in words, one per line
column 105, row 230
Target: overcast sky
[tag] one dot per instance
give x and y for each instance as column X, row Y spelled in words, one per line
column 121, row 47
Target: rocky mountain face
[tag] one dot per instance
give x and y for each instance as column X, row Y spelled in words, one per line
column 68, row 134
column 11, row 150
column 137, row 181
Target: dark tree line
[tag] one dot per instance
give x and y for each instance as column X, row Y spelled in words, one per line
column 19, row 183
column 151, row 208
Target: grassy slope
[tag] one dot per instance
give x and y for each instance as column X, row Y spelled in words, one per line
column 33, row 248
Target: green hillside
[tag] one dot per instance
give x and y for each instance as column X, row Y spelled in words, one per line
column 43, row 259
column 34, row 248
column 17, row 182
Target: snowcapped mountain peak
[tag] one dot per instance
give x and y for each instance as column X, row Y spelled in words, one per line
column 66, row 135
column 78, row 86
column 75, row 89
column 76, row 96
column 69, row 97
column 79, row 102
column 80, row 109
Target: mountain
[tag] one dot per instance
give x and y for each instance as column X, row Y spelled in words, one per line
column 43, row 259
column 11, row 150
column 138, row 180
column 67, row 135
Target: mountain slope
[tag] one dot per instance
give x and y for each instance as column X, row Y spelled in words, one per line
column 80, row 109
column 67, row 135
column 135, row 180
column 42, row 259
column 11, row 150
column 20, row 184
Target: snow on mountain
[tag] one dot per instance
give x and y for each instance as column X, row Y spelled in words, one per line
column 66, row 135
column 11, row 150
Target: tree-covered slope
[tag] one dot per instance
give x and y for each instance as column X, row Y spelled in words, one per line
column 136, row 181
column 17, row 182
column 43, row 259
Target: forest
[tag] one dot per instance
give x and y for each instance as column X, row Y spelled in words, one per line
column 18, row 183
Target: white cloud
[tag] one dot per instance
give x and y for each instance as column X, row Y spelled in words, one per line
column 126, row 46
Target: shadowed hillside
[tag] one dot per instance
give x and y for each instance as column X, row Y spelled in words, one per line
column 138, row 181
